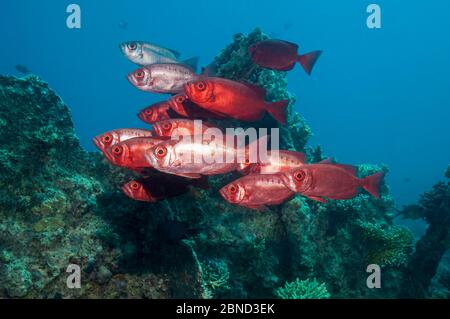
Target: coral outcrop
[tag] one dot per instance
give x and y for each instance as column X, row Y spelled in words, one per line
column 61, row 205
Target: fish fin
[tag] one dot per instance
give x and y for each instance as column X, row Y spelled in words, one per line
column 192, row 62
column 257, row 89
column 328, row 160
column 278, row 110
column 372, row 184
column 308, row 60
column 210, row 70
column 353, row 170
column 189, row 175
column 291, row 43
column 298, row 155
column 319, row 199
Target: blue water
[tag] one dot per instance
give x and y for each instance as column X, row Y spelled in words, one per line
column 376, row 96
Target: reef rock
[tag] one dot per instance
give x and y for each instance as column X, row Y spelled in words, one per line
column 60, row 205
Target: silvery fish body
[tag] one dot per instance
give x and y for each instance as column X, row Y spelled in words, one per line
column 162, row 78
column 143, row 53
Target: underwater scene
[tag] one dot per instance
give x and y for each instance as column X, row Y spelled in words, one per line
column 224, row 149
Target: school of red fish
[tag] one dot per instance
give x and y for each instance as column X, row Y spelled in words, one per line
column 166, row 164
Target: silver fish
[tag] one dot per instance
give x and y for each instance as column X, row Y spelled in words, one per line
column 162, row 78
column 145, row 54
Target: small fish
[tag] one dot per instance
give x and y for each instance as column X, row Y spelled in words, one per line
column 22, row 69
column 196, row 156
column 186, row 108
column 145, row 54
column 257, row 191
column 106, row 140
column 284, row 161
column 331, row 181
column 160, row 186
column 157, row 112
column 131, row 153
column 173, row 127
column 162, row 78
column 281, row 56
column 123, row 25
column 241, row 101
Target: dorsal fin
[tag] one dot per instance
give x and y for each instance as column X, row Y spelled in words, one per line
column 290, row 43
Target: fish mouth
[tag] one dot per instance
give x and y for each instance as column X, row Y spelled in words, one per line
column 98, row 143
column 109, row 156
column 157, row 130
column 143, row 118
column 187, row 89
column 223, row 193
column 127, row 190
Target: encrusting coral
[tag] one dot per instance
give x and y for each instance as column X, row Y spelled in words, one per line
column 60, row 205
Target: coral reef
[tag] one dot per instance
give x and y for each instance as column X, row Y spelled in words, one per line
column 434, row 208
column 303, row 289
column 61, row 205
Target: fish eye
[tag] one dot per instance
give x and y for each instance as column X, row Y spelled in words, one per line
column 117, row 150
column 148, row 111
column 180, row 99
column 299, row 176
column 140, row 74
column 132, row 46
column 201, row 86
column 107, row 138
column 161, row 151
column 166, row 126
column 135, row 185
column 233, row 189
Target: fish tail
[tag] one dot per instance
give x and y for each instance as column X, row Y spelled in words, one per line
column 192, row 63
column 278, row 110
column 308, row 60
column 372, row 184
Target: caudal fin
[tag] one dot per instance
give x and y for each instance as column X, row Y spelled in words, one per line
column 278, row 110
column 192, row 62
column 308, row 60
column 372, row 184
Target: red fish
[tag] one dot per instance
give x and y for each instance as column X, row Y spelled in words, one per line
column 281, row 55
column 241, row 101
column 156, row 112
column 284, row 161
column 158, row 187
column 256, row 191
column 332, row 181
column 172, row 127
column 186, row 108
column 130, row 153
column 106, row 140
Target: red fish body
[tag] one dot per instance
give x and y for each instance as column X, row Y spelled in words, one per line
column 256, row 191
column 157, row 112
column 158, row 187
column 241, row 101
column 131, row 153
column 284, row 161
column 332, row 181
column 281, row 55
column 173, row 127
column 186, row 108
column 106, row 140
